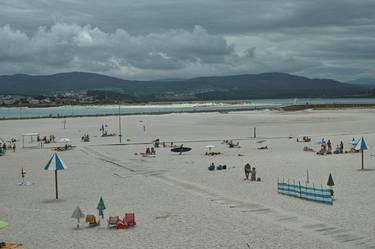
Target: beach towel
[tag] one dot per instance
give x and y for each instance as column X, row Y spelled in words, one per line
column 11, row 245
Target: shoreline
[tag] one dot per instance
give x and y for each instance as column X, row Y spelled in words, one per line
column 142, row 113
column 288, row 108
column 325, row 106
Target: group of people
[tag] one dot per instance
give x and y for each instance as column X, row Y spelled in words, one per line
column 326, row 148
column 305, row 139
column 250, row 171
column 85, row 138
column 11, row 145
column 150, row 151
column 46, row 140
column 218, row 167
column 231, row 144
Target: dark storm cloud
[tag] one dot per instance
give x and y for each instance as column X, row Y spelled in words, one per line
column 174, row 38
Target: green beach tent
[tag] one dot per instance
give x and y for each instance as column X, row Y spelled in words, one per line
column 3, row 224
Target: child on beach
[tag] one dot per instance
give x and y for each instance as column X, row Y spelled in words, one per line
column 253, row 175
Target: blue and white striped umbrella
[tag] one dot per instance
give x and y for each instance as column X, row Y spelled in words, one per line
column 361, row 145
column 55, row 163
column 2, row 141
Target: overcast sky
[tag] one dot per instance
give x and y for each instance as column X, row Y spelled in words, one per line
column 155, row 39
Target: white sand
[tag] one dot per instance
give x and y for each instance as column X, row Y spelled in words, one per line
column 177, row 201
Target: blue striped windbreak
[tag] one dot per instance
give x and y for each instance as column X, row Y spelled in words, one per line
column 320, row 195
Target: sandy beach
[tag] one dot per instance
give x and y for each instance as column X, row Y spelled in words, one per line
column 178, row 203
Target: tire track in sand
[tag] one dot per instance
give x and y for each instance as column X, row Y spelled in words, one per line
column 282, row 218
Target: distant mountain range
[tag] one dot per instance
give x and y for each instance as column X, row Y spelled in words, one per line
column 248, row 86
column 363, row 81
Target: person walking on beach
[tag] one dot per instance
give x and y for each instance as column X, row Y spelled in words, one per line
column 247, row 169
column 14, row 147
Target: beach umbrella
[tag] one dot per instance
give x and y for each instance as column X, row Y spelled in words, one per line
column 2, row 141
column 3, row 224
column 101, row 207
column 78, row 214
column 362, row 145
column 55, row 164
column 210, row 146
column 321, row 142
column 330, row 181
column 63, row 140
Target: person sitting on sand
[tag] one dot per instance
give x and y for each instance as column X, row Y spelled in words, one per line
column 148, row 152
column 247, row 169
column 337, row 150
column 211, row 167
column 253, row 174
column 153, row 152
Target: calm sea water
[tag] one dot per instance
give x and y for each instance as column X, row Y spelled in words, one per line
column 24, row 112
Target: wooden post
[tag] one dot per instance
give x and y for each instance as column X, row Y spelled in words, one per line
column 362, row 160
column 119, row 121
column 307, row 176
column 255, row 132
column 57, row 191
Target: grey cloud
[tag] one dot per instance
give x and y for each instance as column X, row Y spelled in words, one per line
column 149, row 39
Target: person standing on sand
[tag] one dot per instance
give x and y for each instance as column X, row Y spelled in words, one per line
column 253, row 174
column 341, row 147
column 329, row 145
column 14, row 147
column 247, row 169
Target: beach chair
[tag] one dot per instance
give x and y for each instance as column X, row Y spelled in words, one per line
column 113, row 220
column 130, row 219
column 127, row 221
column 91, row 219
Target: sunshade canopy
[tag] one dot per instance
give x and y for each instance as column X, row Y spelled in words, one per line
column 361, row 145
column 55, row 163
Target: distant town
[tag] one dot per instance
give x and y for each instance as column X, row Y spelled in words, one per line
column 67, row 98
column 45, row 101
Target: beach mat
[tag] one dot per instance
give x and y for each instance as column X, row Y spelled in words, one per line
column 181, row 149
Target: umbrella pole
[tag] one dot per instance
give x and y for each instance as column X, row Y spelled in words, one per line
column 57, row 191
column 362, row 160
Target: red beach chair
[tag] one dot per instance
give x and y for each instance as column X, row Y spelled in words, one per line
column 130, row 219
column 127, row 221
